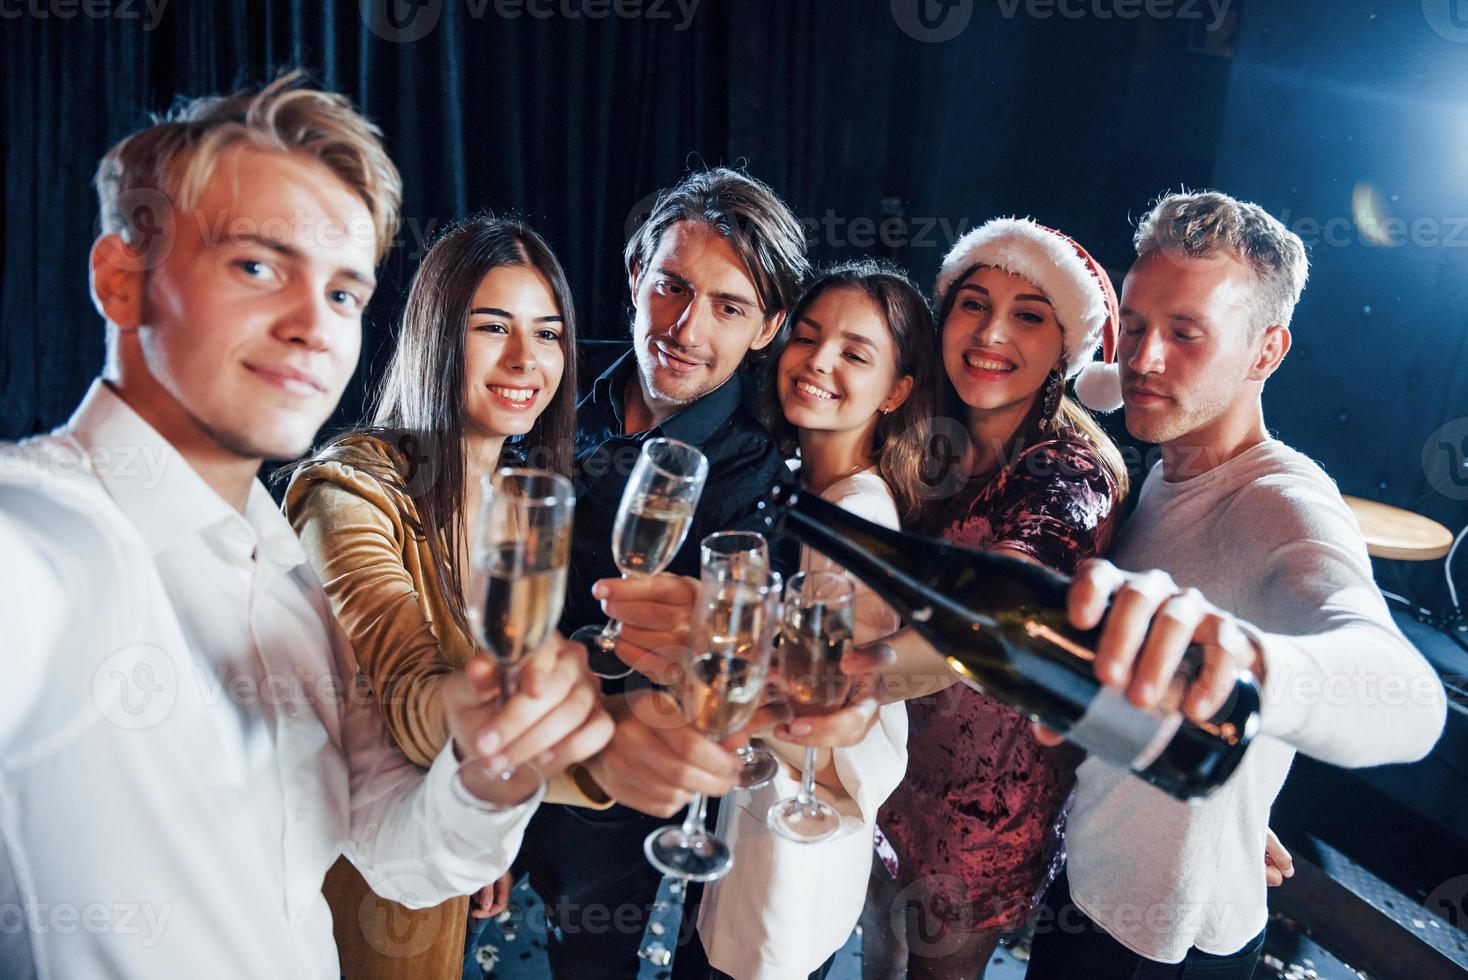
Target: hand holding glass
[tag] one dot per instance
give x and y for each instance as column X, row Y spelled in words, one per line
column 517, row 585
column 817, row 632
column 652, row 521
column 728, row 656
column 746, row 553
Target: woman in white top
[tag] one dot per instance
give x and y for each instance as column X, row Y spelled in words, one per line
column 854, row 396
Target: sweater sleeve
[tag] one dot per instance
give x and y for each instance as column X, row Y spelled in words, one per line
column 1341, row 682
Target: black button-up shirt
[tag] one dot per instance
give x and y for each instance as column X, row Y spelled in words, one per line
column 743, row 465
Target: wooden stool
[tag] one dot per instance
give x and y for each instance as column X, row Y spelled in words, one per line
column 1392, row 532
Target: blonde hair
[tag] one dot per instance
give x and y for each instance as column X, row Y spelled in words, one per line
column 1207, row 223
column 176, row 156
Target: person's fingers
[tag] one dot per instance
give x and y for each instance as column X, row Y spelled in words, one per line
column 650, row 615
column 524, row 710
column 649, row 776
column 1225, row 647
column 556, row 653
column 1277, row 856
column 636, row 788
column 664, row 588
column 867, row 658
column 839, row 729
column 1046, row 736
column 476, row 684
column 842, row 728
column 1126, row 625
column 1167, row 640
column 1091, row 589
column 768, row 717
column 481, row 902
column 654, row 743
column 550, row 727
column 502, row 893
column 583, row 743
column 661, row 664
column 1272, row 877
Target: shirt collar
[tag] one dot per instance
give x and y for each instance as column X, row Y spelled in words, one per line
column 692, row 424
column 165, row 497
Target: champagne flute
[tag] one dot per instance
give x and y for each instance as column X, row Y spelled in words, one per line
column 652, row 521
column 517, row 585
column 816, row 634
column 740, row 550
column 728, row 655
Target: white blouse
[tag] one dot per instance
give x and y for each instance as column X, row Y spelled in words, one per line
column 786, row 907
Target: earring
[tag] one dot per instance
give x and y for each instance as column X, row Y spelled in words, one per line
column 1054, row 388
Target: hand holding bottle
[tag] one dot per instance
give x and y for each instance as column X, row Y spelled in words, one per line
column 1151, row 624
column 1004, row 627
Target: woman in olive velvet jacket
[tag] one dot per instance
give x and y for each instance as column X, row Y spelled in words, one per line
column 483, row 373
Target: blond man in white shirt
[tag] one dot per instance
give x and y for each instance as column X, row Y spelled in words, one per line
column 188, row 746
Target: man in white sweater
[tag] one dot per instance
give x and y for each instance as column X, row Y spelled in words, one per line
column 1231, row 519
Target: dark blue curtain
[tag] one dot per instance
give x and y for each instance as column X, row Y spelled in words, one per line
column 885, row 134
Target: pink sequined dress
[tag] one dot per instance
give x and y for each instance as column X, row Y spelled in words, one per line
column 974, row 830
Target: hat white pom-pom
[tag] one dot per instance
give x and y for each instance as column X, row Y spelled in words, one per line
column 1098, row 386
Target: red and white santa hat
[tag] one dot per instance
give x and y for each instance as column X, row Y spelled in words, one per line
column 1076, row 285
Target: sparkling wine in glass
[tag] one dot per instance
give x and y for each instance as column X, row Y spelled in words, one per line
column 734, row 622
column 517, row 585
column 743, row 552
column 652, row 522
column 817, row 632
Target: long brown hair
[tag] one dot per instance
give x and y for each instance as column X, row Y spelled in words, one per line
column 419, row 408
column 901, row 435
column 1069, row 413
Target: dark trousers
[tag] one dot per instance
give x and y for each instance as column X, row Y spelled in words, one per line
column 1069, row 946
column 598, row 889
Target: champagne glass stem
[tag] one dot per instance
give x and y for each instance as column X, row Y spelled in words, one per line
column 693, row 819
column 509, row 681
column 610, row 632
column 613, row 628
column 808, row 777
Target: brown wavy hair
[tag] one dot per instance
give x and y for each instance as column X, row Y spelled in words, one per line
column 900, row 438
column 418, row 411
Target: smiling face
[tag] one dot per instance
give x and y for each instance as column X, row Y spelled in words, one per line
column 840, row 365
column 513, row 354
column 696, row 316
column 1185, row 350
column 1000, row 340
column 244, row 337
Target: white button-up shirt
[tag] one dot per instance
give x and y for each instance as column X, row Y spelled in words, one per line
column 187, row 745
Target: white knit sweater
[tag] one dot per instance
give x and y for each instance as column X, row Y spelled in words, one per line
column 1267, row 537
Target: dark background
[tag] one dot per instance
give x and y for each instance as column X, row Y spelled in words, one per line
column 856, row 111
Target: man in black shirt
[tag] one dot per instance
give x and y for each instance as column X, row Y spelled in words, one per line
column 712, row 273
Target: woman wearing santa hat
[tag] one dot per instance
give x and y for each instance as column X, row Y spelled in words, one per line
column 973, row 833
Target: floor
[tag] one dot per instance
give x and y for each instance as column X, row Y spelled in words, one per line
column 513, row 947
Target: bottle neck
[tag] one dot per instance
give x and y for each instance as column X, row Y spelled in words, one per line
column 880, row 556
